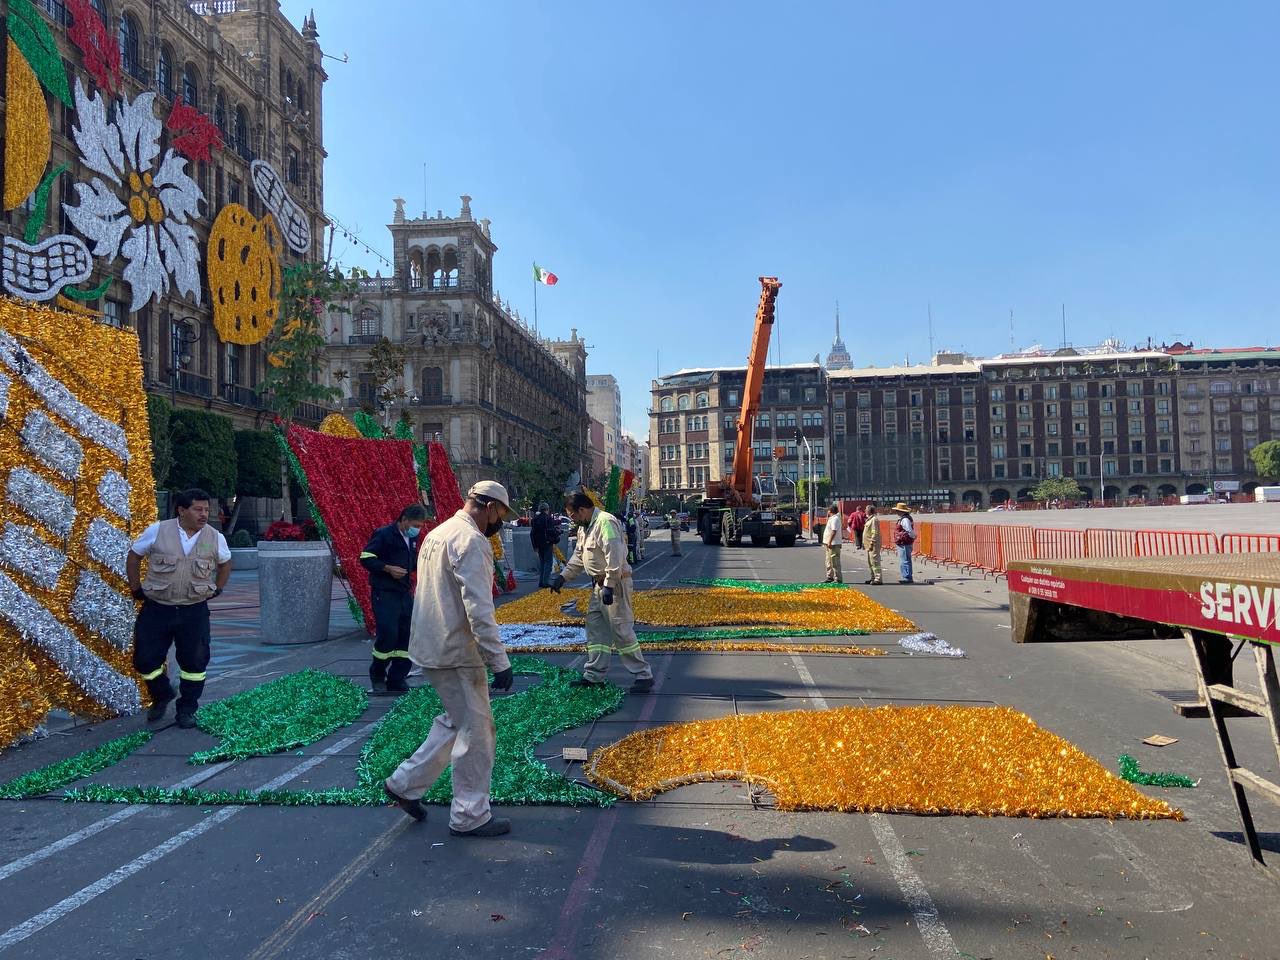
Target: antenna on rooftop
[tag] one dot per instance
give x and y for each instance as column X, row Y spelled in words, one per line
column 1064, row 325
column 1012, row 348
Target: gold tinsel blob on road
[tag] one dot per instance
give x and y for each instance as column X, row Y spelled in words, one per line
column 818, row 608
column 985, row 761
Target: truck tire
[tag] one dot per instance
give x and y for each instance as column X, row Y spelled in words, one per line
column 758, row 540
column 786, row 540
column 711, row 539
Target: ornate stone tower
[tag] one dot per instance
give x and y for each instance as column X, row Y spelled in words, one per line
column 838, row 358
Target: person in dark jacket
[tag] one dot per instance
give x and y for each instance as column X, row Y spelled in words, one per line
column 390, row 557
column 544, row 534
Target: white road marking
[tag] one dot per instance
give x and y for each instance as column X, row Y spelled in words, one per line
column 817, row 699
column 71, row 839
column 82, row 896
column 934, row 933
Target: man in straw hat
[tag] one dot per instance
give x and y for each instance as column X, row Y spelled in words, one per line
column 903, row 537
column 453, row 637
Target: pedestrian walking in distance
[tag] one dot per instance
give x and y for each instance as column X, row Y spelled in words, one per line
column 544, row 534
column 674, row 520
column 611, row 625
column 390, row 556
column 453, row 637
column 871, row 544
column 188, row 564
column 904, row 535
column 832, row 535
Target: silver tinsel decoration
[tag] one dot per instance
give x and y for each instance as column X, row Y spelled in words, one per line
column 85, row 668
column 108, row 545
column 42, row 501
column 53, row 445
column 23, row 551
column 517, row 635
column 113, row 491
column 4, row 396
column 103, row 609
column 929, row 643
column 60, row 400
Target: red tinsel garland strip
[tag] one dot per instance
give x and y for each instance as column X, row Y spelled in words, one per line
column 446, row 496
column 357, row 485
column 100, row 49
column 197, row 135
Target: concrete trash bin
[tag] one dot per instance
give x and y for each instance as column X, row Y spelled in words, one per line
column 295, row 583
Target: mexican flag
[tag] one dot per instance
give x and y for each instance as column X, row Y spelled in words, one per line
column 544, row 276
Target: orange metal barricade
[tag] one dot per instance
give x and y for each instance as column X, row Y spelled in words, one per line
column 1250, row 542
column 1057, row 543
column 1110, row 543
column 987, row 551
column 1017, row 542
column 1176, row 543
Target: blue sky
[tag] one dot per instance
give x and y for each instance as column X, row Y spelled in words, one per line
column 983, row 157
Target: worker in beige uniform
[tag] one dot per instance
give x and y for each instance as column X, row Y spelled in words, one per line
column 831, row 537
column 602, row 554
column 871, row 544
column 453, row 636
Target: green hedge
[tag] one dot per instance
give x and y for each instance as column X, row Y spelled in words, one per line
column 204, row 453
column 258, row 464
column 159, row 417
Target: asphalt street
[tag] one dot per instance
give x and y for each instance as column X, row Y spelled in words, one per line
column 704, row 871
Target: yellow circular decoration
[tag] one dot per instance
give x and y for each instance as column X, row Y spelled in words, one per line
column 336, row 425
column 26, row 130
column 244, row 270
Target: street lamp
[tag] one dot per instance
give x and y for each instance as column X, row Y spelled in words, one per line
column 184, row 333
column 812, row 493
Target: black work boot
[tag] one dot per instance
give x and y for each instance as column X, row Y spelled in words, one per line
column 160, row 701
column 413, row 808
column 495, row 827
column 378, row 677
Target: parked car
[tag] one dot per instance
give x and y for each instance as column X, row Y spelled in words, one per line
column 684, row 521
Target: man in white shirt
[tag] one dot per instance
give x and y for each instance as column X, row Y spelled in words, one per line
column 189, row 563
column 453, row 637
column 831, row 540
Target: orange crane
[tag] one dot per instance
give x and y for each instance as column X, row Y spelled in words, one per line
column 742, row 505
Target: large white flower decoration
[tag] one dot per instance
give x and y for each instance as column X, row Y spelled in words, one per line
column 151, row 205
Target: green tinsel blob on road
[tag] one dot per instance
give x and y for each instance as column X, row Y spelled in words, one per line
column 84, row 764
column 1129, row 771
column 755, row 586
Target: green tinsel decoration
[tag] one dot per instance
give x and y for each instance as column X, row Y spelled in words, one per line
column 368, row 426
column 403, row 430
column 523, row 721
column 740, row 633
column 755, row 586
column 613, row 491
column 1129, row 771
column 84, row 764
column 40, row 208
column 353, row 608
column 421, row 458
column 289, row 712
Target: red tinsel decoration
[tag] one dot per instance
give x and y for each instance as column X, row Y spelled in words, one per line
column 100, row 49
column 628, row 479
column 197, row 135
column 511, row 582
column 446, row 496
column 358, row 485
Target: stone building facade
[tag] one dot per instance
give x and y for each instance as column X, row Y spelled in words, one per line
column 260, row 80
column 604, row 402
column 475, row 375
column 693, row 426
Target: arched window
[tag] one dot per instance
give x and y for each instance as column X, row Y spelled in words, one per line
column 190, row 86
column 292, row 166
column 432, row 384
column 704, row 400
column 164, row 71
column 242, row 131
column 370, row 322
column 130, row 46
column 289, row 92
column 666, row 405
column 683, row 402
column 220, row 114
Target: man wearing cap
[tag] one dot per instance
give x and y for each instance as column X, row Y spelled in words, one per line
column 903, row 537
column 544, row 534
column 831, row 543
column 453, row 637
column 602, row 555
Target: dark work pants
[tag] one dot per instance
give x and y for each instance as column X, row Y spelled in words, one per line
column 545, row 556
column 186, row 628
column 392, row 613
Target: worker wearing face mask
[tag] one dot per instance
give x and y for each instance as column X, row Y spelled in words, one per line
column 390, row 557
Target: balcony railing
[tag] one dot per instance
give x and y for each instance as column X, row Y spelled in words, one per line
column 310, row 413
column 433, row 400
column 194, row 384
column 243, row 396
column 212, row 8
column 363, row 339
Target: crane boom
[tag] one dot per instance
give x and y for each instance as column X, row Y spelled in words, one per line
column 742, row 454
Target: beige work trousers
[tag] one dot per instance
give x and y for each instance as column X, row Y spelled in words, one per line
column 873, row 564
column 832, row 556
column 675, row 540
column 613, row 628
column 463, row 735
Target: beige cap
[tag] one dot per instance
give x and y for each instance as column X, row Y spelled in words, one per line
column 491, row 489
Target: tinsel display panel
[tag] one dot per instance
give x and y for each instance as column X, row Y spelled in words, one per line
column 75, row 463
column 982, row 761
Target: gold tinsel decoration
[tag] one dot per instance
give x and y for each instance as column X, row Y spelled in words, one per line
column 27, row 133
column 495, row 542
column 982, row 761
column 336, row 425
column 724, row 646
column 244, row 274
column 806, row 609
column 22, row 703
column 101, row 365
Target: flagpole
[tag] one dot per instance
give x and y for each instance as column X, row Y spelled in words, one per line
column 535, row 299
